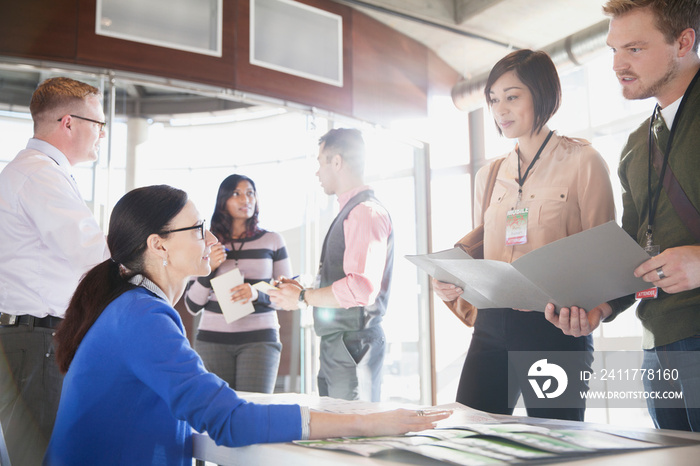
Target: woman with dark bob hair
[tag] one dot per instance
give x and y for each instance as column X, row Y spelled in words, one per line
column 245, row 352
column 548, row 187
column 134, row 388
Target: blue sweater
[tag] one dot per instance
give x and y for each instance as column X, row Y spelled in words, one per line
column 136, row 388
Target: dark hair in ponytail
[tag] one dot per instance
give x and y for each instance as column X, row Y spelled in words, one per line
column 138, row 214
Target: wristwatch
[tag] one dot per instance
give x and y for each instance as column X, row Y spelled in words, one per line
column 302, row 298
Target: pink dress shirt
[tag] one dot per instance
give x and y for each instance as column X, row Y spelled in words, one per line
column 367, row 229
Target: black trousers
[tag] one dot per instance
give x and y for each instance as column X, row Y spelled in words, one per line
column 484, row 383
column 30, row 390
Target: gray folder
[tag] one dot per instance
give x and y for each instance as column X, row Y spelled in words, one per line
column 584, row 270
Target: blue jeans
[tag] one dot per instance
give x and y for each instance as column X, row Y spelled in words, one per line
column 684, row 357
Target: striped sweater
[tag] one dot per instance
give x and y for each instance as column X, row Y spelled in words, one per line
column 262, row 257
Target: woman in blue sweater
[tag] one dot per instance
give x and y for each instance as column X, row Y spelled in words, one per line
column 134, row 388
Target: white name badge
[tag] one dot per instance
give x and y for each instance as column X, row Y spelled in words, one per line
column 516, row 227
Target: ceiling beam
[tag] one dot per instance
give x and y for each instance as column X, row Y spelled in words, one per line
column 440, row 11
column 464, row 10
column 376, row 5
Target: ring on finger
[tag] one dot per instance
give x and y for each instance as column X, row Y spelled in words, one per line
column 660, row 273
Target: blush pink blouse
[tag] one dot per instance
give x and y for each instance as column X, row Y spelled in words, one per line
column 567, row 191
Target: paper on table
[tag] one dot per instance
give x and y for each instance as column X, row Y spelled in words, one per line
column 489, row 440
column 585, row 270
column 222, row 284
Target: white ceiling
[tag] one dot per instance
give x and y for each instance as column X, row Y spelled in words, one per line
column 472, row 35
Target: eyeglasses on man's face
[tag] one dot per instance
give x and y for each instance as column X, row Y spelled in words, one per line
column 200, row 226
column 101, row 124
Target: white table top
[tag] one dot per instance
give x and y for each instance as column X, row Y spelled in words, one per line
column 287, row 454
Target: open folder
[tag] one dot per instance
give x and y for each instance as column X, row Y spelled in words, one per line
column 584, row 270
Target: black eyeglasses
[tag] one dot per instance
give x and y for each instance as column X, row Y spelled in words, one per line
column 101, row 124
column 199, row 226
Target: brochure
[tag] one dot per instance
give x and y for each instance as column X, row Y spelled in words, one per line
column 501, row 443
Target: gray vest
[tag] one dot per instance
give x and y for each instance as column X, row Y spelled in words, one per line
column 333, row 320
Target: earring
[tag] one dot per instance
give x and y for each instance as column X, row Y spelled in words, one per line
column 165, row 262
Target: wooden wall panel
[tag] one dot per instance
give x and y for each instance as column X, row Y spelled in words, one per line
column 390, row 73
column 386, row 75
column 441, row 76
column 441, row 80
column 126, row 55
column 39, row 29
column 285, row 86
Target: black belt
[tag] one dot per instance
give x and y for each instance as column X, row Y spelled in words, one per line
column 8, row 320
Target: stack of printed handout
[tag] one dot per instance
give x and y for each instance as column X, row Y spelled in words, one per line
column 488, row 443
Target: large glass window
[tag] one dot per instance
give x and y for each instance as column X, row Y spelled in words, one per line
column 277, row 148
column 390, row 171
column 279, row 154
column 15, row 130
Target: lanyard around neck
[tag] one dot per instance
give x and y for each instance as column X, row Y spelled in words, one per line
column 654, row 200
column 235, row 253
column 521, row 179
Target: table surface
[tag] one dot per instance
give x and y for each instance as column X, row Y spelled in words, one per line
column 287, row 454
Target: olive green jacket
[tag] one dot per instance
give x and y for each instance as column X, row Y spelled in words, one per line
column 670, row 317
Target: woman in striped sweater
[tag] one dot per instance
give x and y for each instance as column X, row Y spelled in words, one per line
column 246, row 352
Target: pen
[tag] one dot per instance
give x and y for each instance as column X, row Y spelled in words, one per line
column 274, row 282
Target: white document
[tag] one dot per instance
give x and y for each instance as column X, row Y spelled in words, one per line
column 584, row 270
column 222, row 284
column 264, row 287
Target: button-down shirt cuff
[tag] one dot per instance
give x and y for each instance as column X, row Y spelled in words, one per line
column 353, row 290
column 305, row 422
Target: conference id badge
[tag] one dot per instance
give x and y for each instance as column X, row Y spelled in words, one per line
column 516, row 227
column 649, row 293
column 653, row 292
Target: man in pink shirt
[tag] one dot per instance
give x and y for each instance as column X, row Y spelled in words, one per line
column 352, row 286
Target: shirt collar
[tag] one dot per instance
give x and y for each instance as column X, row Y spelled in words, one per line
column 346, row 196
column 51, row 151
column 144, row 282
column 669, row 113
